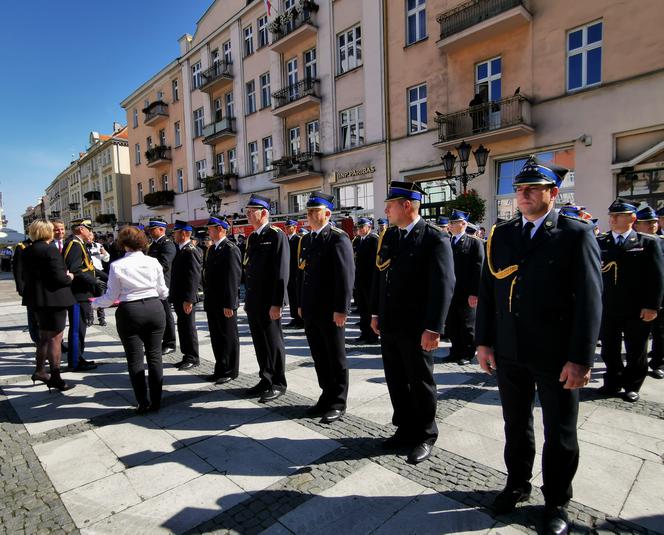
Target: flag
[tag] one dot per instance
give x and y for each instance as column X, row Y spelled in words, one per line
column 268, row 7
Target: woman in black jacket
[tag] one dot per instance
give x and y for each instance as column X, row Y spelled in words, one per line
column 47, row 291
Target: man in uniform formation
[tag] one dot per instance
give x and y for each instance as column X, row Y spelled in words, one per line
column 365, row 248
column 294, row 244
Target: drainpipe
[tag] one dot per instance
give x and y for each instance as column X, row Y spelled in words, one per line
column 386, row 100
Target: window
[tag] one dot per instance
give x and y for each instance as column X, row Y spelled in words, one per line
column 267, row 153
column 140, row 192
column 176, row 90
column 196, row 75
column 508, row 169
column 416, row 21
column 201, row 170
column 313, row 137
column 180, row 180
column 217, row 109
column 162, row 137
column 221, row 164
column 584, row 56
column 230, row 108
column 160, row 95
column 148, row 142
column 266, row 98
column 135, row 118
column 310, row 71
column 417, row 109
column 251, row 96
column 262, row 31
column 164, row 182
column 232, row 161
column 253, row 157
column 349, row 45
column 214, row 56
column 297, row 202
column 228, row 56
column 178, row 135
column 488, row 79
column 198, row 122
column 360, row 195
column 151, row 188
column 294, row 141
column 248, row 41
column 291, row 73
column 137, row 154
column 352, row 127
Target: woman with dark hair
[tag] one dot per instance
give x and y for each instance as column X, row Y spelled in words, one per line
column 47, row 292
column 137, row 282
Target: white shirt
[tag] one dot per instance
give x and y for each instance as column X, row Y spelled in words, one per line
column 260, row 229
column 538, row 222
column 457, row 237
column 410, row 227
column 97, row 257
column 218, row 242
column 185, row 243
column 317, row 232
column 132, row 277
column 624, row 235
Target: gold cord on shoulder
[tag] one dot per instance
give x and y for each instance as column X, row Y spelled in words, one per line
column 384, row 265
column 301, row 264
column 608, row 267
column 501, row 273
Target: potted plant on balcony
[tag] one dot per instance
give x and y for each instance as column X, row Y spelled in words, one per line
column 106, row 219
column 159, row 198
column 309, row 6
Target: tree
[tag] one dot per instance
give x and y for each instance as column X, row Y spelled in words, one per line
column 469, row 202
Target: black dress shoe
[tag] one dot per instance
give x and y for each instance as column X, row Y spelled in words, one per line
column 83, row 361
column 463, row 362
column 556, row 521
column 142, row 409
column 420, row 453
column 506, row 501
column 223, row 380
column 332, row 416
column 102, row 323
column 188, row 365
column 396, row 442
column 257, row 390
column 212, row 378
column 271, row 395
column 631, row 396
column 315, row 410
column 657, row 373
column 84, row 367
column 167, row 350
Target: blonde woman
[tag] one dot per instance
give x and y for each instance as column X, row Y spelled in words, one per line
column 47, row 291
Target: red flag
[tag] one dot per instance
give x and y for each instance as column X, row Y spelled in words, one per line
column 268, row 6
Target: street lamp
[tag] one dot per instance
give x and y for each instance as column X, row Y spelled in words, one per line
column 463, row 149
column 213, row 204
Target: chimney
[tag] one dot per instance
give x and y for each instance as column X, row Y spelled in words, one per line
column 116, row 127
column 185, row 43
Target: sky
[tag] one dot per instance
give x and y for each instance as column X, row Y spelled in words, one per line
column 66, row 65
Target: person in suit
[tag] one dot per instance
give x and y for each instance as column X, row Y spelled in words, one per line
column 633, row 272
column 185, row 281
column 411, row 295
column 163, row 249
column 660, row 221
column 294, row 243
column 136, row 281
column 468, row 254
column 17, row 269
column 538, row 318
column 382, row 225
column 266, row 265
column 83, row 287
column 444, row 223
column 221, row 280
column 325, row 287
column 366, row 245
column 59, row 233
column 47, row 291
column 646, row 223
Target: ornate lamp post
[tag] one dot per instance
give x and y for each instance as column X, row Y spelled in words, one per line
column 213, row 204
column 481, row 156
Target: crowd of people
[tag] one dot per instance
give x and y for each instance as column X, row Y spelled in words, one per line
column 530, row 301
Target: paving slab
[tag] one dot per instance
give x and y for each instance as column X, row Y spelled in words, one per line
column 645, row 503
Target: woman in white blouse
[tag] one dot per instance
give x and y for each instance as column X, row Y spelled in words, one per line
column 137, row 282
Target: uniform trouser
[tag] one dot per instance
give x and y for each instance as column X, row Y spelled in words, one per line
column 141, row 327
column 169, row 330
column 657, row 355
column 631, row 375
column 78, row 315
column 560, row 454
column 412, row 388
column 268, row 339
column 363, row 305
column 328, row 349
column 101, row 314
column 292, row 301
column 460, row 328
column 33, row 326
column 187, row 333
column 225, row 341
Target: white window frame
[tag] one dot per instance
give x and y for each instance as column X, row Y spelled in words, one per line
column 228, row 52
column 268, row 154
column 583, row 51
column 263, row 38
column 252, row 149
column 266, row 96
column 313, row 136
column 491, row 77
column 220, row 164
column 139, row 189
column 162, row 137
column 421, row 123
column 196, row 76
column 352, row 42
column 137, row 154
column 151, row 186
column 164, row 182
column 201, row 170
column 180, row 180
column 248, row 40
column 351, row 119
column 135, row 118
column 199, row 122
column 175, row 88
column 310, row 64
column 232, row 161
column 420, row 34
column 250, row 88
column 177, row 134
column 229, row 104
column 294, row 141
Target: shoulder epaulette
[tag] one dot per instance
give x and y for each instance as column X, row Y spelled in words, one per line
column 276, row 228
column 338, row 230
column 21, row 245
column 434, row 226
column 508, row 222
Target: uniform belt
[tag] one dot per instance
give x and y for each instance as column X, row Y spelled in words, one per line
column 144, row 300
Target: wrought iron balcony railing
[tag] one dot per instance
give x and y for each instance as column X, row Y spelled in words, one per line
column 159, row 198
column 73, row 206
column 296, row 91
column 158, row 153
column 156, row 109
column 219, row 183
column 92, row 195
column 225, row 126
column 298, row 163
column 472, row 12
column 219, row 70
column 292, row 19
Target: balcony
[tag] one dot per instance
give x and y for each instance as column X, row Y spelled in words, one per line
column 159, row 199
column 106, row 219
column 155, row 113
column 220, row 184
column 486, row 123
column 74, row 206
column 55, row 214
column 158, row 155
column 92, row 196
column 296, row 97
column 216, row 77
column 294, row 26
column 300, row 166
column 477, row 20
column 218, row 131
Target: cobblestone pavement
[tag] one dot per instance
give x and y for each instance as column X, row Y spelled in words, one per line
column 212, row 461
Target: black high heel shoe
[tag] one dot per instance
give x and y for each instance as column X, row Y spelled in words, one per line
column 57, row 382
column 36, row 378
